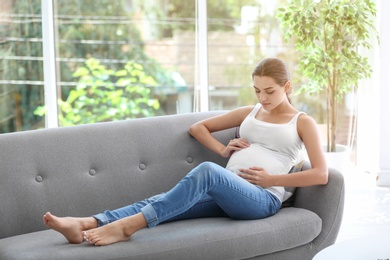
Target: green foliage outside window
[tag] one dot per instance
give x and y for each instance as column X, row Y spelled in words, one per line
column 104, row 94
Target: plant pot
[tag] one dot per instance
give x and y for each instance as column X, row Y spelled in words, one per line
column 340, row 159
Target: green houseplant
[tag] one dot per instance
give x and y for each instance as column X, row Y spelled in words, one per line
column 328, row 35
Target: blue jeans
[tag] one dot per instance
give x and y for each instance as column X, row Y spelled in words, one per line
column 209, row 190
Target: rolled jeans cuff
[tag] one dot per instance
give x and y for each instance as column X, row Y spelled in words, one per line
column 101, row 219
column 150, row 215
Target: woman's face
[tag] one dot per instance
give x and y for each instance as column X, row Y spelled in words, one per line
column 269, row 93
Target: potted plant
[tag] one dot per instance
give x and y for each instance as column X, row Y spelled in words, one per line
column 329, row 35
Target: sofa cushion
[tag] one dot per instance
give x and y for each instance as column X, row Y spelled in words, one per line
column 208, row 238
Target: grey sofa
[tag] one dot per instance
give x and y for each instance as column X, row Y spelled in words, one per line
column 82, row 170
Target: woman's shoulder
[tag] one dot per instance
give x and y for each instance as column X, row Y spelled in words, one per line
column 306, row 123
column 305, row 118
column 244, row 110
column 238, row 114
column 227, row 120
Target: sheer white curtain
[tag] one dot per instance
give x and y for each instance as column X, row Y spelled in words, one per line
column 384, row 108
column 373, row 142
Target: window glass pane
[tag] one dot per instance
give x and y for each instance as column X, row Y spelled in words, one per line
column 240, row 35
column 21, row 67
column 124, row 59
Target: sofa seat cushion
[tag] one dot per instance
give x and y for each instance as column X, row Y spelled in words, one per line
column 209, row 238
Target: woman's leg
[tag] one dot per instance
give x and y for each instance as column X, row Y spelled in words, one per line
column 235, row 196
column 208, row 190
column 231, row 195
column 109, row 216
column 205, row 207
column 122, row 228
column 117, row 231
column 72, row 228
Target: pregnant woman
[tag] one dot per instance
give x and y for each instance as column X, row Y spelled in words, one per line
column 252, row 185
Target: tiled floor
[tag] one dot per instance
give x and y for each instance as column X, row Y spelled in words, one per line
column 367, row 207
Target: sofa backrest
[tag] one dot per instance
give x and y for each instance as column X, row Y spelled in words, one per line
column 83, row 170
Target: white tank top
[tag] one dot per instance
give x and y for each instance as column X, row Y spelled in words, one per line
column 274, row 147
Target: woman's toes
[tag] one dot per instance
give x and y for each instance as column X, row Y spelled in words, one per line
column 84, row 234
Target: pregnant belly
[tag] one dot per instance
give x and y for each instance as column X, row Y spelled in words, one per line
column 256, row 155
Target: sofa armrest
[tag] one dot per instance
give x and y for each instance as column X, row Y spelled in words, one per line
column 327, row 201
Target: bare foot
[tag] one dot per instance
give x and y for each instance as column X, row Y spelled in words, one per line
column 117, row 231
column 70, row 227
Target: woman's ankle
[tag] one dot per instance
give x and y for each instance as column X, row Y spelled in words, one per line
column 89, row 223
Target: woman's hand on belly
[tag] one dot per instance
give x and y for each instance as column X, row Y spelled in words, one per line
column 235, row 145
column 257, row 176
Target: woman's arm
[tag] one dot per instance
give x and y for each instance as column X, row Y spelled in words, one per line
column 202, row 130
column 318, row 174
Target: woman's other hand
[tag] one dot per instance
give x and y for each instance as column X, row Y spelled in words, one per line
column 234, row 145
column 257, row 176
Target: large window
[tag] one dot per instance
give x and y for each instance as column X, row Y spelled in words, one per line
column 113, row 60
column 124, row 59
column 116, row 60
column 120, row 59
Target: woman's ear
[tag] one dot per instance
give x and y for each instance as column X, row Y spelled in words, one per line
column 287, row 87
